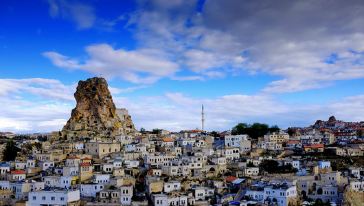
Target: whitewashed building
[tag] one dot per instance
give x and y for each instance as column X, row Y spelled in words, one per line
column 53, row 197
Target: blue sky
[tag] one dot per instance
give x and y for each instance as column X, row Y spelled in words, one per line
column 246, row 61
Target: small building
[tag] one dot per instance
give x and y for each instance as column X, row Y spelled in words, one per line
column 54, row 197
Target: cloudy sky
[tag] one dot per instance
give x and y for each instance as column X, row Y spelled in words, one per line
column 278, row 62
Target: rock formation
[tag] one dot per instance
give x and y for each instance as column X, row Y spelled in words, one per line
column 124, row 116
column 95, row 114
column 332, row 119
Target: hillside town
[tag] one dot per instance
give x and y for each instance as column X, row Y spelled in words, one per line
column 100, row 158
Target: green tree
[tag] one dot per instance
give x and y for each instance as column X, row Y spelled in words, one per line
column 11, row 151
column 240, row 128
column 319, row 202
column 270, row 166
column 254, row 131
column 291, row 131
column 259, row 130
column 156, row 131
column 359, row 133
column 274, row 128
column 214, row 134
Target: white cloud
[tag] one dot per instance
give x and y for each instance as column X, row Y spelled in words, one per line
column 138, row 66
column 228, row 37
column 82, row 14
column 20, row 115
column 33, row 105
column 48, row 88
column 188, row 78
column 62, row 61
column 115, row 91
column 256, row 36
column 176, row 111
column 38, row 104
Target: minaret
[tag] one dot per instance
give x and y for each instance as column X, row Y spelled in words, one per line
column 202, row 119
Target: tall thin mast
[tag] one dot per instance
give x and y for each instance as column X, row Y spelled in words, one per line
column 202, row 119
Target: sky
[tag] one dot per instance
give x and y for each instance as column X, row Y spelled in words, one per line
column 285, row 63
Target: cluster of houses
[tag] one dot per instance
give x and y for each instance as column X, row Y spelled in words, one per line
column 185, row 168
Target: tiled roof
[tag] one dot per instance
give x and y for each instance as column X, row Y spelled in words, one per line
column 85, row 164
column 314, row 146
column 230, row 178
column 17, row 172
column 73, row 157
column 168, row 139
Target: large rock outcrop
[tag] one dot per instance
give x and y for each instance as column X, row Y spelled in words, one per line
column 128, row 125
column 95, row 114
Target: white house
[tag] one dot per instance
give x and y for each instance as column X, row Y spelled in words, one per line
column 183, row 142
column 108, row 167
column 202, row 192
column 131, row 163
column 65, row 182
column 174, row 170
column 277, row 137
column 160, row 200
column 90, row 190
column 51, row 181
column 159, row 160
column 325, row 193
column 219, row 160
column 172, row 186
column 71, row 171
column 356, row 172
column 232, row 153
column 5, row 185
column 17, row 175
column 126, row 193
column 21, row 189
column 234, row 140
column 117, row 163
column 20, row 165
column 101, row 178
column 251, row 171
column 4, row 168
column 53, row 197
column 156, row 172
column 280, row 193
column 180, row 200
column 255, row 193
column 357, row 185
column 79, row 146
column 46, row 165
column 73, row 161
column 31, row 163
column 324, row 164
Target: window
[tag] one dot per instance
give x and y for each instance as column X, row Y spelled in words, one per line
column 43, row 198
column 34, row 197
column 53, row 198
column 62, row 198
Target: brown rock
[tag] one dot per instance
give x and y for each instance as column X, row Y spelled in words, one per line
column 95, row 113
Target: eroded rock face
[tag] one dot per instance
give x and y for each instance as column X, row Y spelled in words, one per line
column 124, row 116
column 95, row 113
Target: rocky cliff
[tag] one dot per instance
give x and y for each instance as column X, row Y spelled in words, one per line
column 95, row 114
column 124, row 116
